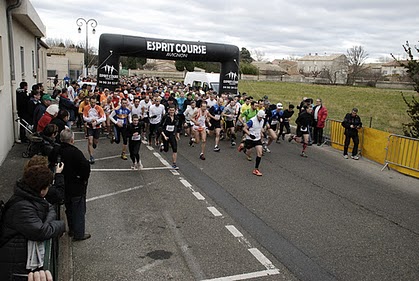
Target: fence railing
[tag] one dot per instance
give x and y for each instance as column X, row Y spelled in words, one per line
column 334, row 133
column 403, row 152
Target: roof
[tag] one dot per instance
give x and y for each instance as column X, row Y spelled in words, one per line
column 320, row 58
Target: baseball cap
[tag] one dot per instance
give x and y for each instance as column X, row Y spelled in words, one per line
column 279, row 105
column 261, row 113
column 46, row 97
column 354, row 109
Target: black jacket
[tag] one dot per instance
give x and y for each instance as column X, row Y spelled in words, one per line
column 30, row 218
column 351, row 120
column 61, row 126
column 304, row 119
column 22, row 100
column 76, row 170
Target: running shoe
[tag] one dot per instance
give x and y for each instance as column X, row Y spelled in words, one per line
column 201, row 156
column 216, row 148
column 175, row 167
column 191, row 142
column 94, row 145
column 140, row 165
column 112, row 139
column 161, row 147
column 290, row 139
column 283, row 137
column 355, row 157
column 233, row 143
column 124, row 156
column 345, row 156
column 277, row 140
column 248, row 157
column 257, row 172
column 92, row 160
column 133, row 166
column 303, row 154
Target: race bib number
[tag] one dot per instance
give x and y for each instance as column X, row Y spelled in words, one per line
column 136, row 138
column 274, row 122
column 217, row 117
column 170, row 128
column 119, row 120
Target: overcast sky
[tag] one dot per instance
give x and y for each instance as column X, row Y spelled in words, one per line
column 277, row 28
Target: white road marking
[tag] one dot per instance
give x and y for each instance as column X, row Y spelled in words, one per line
column 109, row 157
column 214, row 211
column 102, row 138
column 150, row 148
column 114, row 193
column 236, row 233
column 261, row 258
column 246, row 276
column 131, row 170
column 185, row 183
column 175, row 172
column 198, row 196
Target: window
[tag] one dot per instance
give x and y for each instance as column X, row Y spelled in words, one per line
column 22, row 61
column 51, row 73
column 33, row 63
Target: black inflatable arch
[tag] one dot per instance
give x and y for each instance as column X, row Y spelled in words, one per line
column 112, row 46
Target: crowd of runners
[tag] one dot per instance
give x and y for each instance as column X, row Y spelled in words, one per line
column 159, row 112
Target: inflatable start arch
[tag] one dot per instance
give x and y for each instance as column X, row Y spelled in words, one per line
column 112, row 46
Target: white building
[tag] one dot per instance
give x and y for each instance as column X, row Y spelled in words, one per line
column 335, row 65
column 22, row 58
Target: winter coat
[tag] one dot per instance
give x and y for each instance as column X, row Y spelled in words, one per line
column 61, row 126
column 44, row 121
column 76, row 170
column 30, row 218
column 321, row 116
column 351, row 120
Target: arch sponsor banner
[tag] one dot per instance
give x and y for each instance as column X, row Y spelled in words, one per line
column 112, row 46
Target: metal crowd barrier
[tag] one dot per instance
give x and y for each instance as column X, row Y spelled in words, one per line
column 403, row 152
column 334, row 133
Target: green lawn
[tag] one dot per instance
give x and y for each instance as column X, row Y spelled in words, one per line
column 385, row 108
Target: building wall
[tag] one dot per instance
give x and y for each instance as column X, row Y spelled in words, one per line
column 6, row 120
column 25, row 62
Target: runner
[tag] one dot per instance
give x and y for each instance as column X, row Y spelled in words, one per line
column 93, row 116
column 156, row 113
column 230, row 114
column 304, row 121
column 134, row 131
column 170, row 134
column 145, row 106
column 199, row 128
column 215, row 114
column 253, row 130
column 189, row 112
column 121, row 118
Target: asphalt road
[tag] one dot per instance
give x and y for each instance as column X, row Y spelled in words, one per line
column 319, row 218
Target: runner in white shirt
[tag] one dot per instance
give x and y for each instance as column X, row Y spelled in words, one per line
column 189, row 112
column 200, row 117
column 156, row 112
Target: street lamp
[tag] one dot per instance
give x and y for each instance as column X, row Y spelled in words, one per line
column 93, row 24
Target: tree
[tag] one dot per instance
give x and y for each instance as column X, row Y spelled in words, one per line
column 356, row 58
column 247, row 68
column 245, row 56
column 259, row 55
column 411, row 129
column 182, row 65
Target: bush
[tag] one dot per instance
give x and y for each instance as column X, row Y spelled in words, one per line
column 247, row 68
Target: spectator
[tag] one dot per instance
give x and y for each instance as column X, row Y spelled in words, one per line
column 76, row 174
column 320, row 116
column 39, row 111
column 50, row 113
column 22, row 100
column 34, row 101
column 60, row 120
column 352, row 123
column 28, row 217
column 55, row 193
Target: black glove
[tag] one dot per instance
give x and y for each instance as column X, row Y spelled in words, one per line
column 252, row 136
